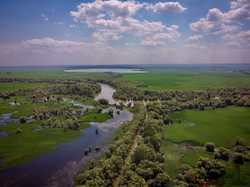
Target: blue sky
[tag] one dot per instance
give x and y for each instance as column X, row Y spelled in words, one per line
column 78, row 32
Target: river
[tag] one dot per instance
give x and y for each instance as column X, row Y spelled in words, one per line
column 107, row 93
column 59, row 168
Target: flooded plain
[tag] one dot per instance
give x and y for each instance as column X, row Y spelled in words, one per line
column 59, row 167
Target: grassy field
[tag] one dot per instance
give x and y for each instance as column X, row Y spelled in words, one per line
column 184, row 142
column 19, row 86
column 94, row 116
column 221, row 126
column 156, row 79
column 45, row 73
column 25, row 109
column 189, row 80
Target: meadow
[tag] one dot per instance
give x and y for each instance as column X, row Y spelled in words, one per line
column 184, row 141
column 45, row 73
column 221, row 126
column 19, row 86
column 155, row 79
column 189, row 79
column 94, row 116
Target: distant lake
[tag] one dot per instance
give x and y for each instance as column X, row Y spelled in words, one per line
column 101, row 70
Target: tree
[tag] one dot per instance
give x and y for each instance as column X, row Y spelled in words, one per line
column 111, row 112
column 240, row 146
column 201, row 107
column 160, row 180
column 167, row 120
column 132, row 179
column 143, row 152
column 222, row 153
column 214, row 169
column 209, row 146
column 238, row 158
column 103, row 101
column 148, row 169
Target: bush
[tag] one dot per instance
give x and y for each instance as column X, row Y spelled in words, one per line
column 167, row 120
column 240, row 145
column 18, row 130
column 222, row 153
column 238, row 158
column 246, row 156
column 210, row 146
column 103, row 101
column 23, row 119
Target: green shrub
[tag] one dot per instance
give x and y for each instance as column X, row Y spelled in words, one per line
column 209, row 146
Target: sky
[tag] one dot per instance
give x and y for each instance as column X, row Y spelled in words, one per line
column 82, row 32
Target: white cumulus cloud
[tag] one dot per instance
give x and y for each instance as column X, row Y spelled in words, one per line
column 233, row 44
column 195, row 37
column 167, row 7
column 240, row 39
column 111, row 19
column 217, row 22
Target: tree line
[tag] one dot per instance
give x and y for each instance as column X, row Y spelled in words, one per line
column 103, row 171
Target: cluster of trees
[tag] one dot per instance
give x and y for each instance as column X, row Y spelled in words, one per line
column 241, row 151
column 44, row 80
column 80, row 89
column 77, row 87
column 102, row 172
column 216, row 97
column 212, row 169
column 206, row 170
column 72, row 124
column 45, row 112
column 146, row 168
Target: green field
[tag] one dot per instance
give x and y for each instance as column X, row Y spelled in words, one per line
column 94, row 116
column 221, row 126
column 45, row 73
column 184, row 142
column 189, row 80
column 13, row 86
column 25, row 108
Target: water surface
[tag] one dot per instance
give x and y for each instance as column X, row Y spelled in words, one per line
column 107, row 93
column 98, row 70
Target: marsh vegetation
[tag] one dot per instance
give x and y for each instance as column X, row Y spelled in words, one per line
column 189, row 127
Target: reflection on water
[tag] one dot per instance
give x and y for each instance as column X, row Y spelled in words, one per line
column 105, row 70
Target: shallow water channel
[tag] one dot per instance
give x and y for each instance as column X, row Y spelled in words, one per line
column 59, row 168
